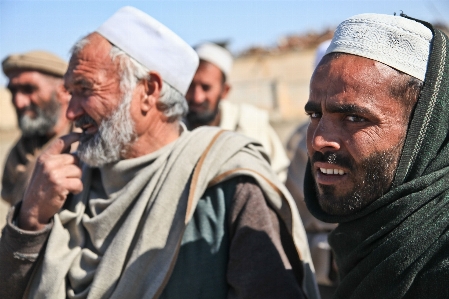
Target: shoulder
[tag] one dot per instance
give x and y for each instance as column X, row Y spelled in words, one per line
column 240, row 186
column 238, row 192
column 245, row 115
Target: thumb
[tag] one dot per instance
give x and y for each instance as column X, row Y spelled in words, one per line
column 63, row 143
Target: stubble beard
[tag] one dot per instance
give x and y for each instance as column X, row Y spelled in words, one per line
column 377, row 174
column 44, row 121
column 197, row 119
column 112, row 140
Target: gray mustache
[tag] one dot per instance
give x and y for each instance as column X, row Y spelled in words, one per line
column 84, row 120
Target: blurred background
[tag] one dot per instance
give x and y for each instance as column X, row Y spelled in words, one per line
column 273, row 42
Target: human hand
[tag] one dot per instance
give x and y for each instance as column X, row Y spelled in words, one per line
column 56, row 174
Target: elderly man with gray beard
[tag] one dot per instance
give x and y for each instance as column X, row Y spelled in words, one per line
column 152, row 210
column 38, row 95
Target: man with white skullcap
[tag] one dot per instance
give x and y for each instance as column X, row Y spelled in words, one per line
column 38, row 95
column 151, row 210
column 207, row 105
column 378, row 148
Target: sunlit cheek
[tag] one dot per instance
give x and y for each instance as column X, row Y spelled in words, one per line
column 360, row 150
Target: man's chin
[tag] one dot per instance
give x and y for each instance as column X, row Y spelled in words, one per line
column 338, row 204
column 200, row 119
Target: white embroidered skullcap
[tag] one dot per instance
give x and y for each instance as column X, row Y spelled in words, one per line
column 393, row 40
column 153, row 45
column 217, row 55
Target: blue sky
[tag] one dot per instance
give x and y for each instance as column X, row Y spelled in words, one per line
column 56, row 25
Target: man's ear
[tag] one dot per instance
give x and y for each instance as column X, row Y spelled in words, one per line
column 152, row 90
column 226, row 89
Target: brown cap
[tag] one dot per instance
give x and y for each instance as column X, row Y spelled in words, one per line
column 35, row 60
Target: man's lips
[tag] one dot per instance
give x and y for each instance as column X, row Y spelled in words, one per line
column 27, row 112
column 332, row 171
column 86, row 124
column 89, row 129
column 329, row 174
column 198, row 107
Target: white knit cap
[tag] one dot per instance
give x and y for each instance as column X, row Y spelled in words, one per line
column 217, row 55
column 153, row 45
column 393, row 40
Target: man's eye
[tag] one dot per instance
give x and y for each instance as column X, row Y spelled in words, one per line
column 82, row 90
column 27, row 89
column 12, row 90
column 314, row 114
column 355, row 118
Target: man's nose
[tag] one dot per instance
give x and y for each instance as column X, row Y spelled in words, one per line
column 74, row 110
column 199, row 96
column 20, row 100
column 325, row 136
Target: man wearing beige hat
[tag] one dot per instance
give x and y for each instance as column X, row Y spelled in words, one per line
column 207, row 106
column 378, row 148
column 40, row 99
column 152, row 210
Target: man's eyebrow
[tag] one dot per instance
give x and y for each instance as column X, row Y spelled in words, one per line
column 78, row 82
column 19, row 86
column 346, row 108
column 337, row 108
column 311, row 106
column 82, row 82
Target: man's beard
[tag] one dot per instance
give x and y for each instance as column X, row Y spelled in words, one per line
column 45, row 118
column 113, row 138
column 371, row 178
column 196, row 119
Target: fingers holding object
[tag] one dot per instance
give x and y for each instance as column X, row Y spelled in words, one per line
column 62, row 144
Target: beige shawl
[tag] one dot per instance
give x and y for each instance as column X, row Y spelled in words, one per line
column 255, row 123
column 122, row 242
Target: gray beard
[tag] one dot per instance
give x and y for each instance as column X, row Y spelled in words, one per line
column 46, row 118
column 115, row 135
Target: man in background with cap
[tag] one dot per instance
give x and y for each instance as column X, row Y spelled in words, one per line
column 40, row 99
column 378, row 148
column 208, row 107
column 153, row 210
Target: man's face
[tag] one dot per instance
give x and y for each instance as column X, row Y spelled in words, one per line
column 356, row 132
column 34, row 97
column 97, row 105
column 204, row 94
